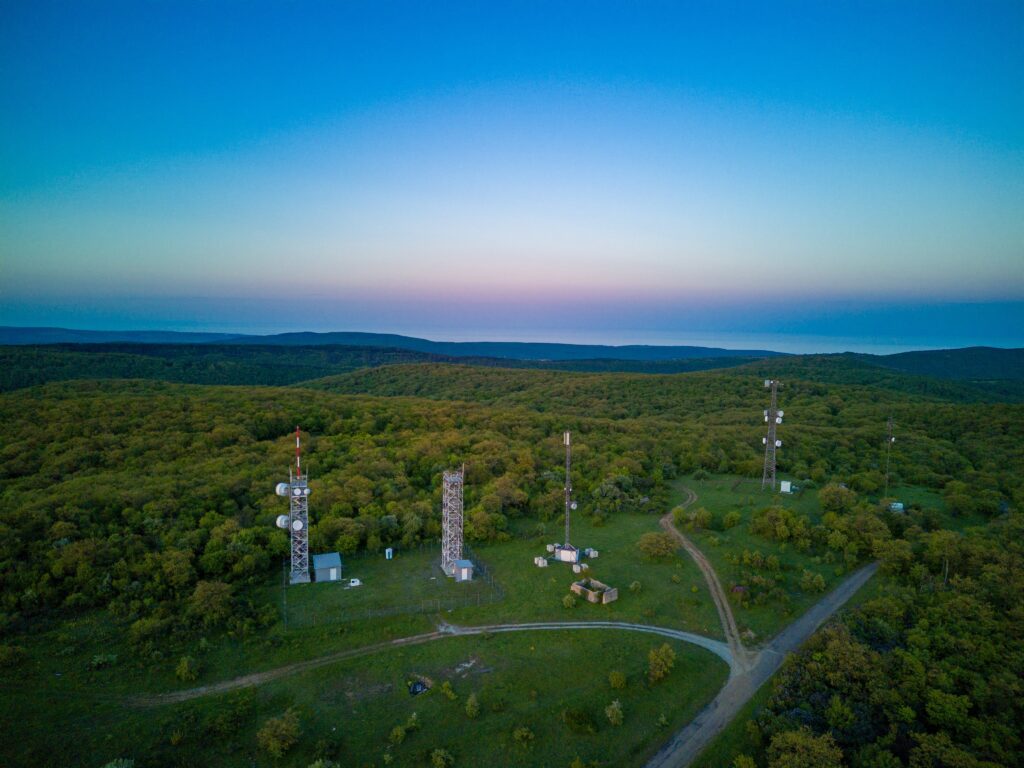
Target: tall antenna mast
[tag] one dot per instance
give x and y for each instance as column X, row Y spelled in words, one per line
column 568, row 484
column 889, row 440
column 296, row 522
column 773, row 416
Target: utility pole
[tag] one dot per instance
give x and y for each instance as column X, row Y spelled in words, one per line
column 773, row 417
column 889, row 440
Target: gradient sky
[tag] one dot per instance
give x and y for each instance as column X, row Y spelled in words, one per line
column 619, row 172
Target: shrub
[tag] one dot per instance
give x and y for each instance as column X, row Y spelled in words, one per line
column 413, row 722
column 12, row 655
column 635, row 587
column 522, row 736
column 441, row 758
column 569, row 601
column 662, row 721
column 397, row 735
column 187, row 670
column 472, row 706
column 279, row 734
column 657, row 545
column 579, row 721
column 731, row 519
column 743, row 761
column 812, row 582
column 616, row 680
column 660, row 662
column 698, row 519
column 614, row 712
column 448, row 691
column 121, row 762
column 103, row 660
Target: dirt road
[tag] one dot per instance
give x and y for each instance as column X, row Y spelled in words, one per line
column 742, row 658
column 688, row 743
column 716, row 647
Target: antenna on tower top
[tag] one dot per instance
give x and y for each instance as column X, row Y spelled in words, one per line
column 298, row 453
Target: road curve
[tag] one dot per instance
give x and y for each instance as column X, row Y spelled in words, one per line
column 742, row 658
column 688, row 743
column 716, row 647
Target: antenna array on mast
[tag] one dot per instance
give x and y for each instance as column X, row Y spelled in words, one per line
column 296, row 522
column 773, row 417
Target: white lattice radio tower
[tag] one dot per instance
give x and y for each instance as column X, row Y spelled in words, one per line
column 296, row 522
column 451, row 520
column 773, row 417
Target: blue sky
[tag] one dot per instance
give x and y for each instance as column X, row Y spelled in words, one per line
column 659, row 172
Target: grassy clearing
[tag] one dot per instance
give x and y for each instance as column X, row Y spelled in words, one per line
column 411, row 582
column 672, row 591
column 347, row 710
column 724, row 493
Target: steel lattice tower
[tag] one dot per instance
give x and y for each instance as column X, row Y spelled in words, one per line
column 773, row 416
column 451, row 520
column 568, row 484
column 889, row 440
column 297, row 520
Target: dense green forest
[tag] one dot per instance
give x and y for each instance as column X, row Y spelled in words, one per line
column 151, row 503
column 927, row 674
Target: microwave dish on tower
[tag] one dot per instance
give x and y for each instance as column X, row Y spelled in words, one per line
column 296, row 522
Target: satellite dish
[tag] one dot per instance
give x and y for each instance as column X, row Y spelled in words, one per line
column 778, row 443
column 781, row 414
column 297, row 525
column 305, row 491
column 296, row 491
column 572, row 505
column 778, row 419
column 764, row 441
column 281, row 489
column 282, row 522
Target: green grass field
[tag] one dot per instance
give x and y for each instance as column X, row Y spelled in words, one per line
column 348, row 709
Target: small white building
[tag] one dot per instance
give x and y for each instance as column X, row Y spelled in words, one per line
column 540, row 562
column 327, row 567
column 463, row 570
column 786, row 486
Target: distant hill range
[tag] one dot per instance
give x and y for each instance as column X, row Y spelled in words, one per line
column 512, row 350
column 234, row 358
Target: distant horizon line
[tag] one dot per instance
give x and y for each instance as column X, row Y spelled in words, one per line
column 738, row 342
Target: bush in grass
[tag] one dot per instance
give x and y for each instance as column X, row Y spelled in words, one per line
column 676, row 578
column 279, row 734
column 569, row 601
column 657, row 545
column 397, row 735
column 635, row 587
column 121, row 762
column 662, row 721
column 616, row 680
column 103, row 660
column 660, row 662
column 522, row 736
column 812, row 582
column 731, row 519
column 187, row 670
column 579, row 721
column 472, row 706
column 12, row 655
column 441, row 758
column 448, row 691
column 698, row 519
column 325, row 763
column 577, row 763
column 614, row 712
column 744, row 761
